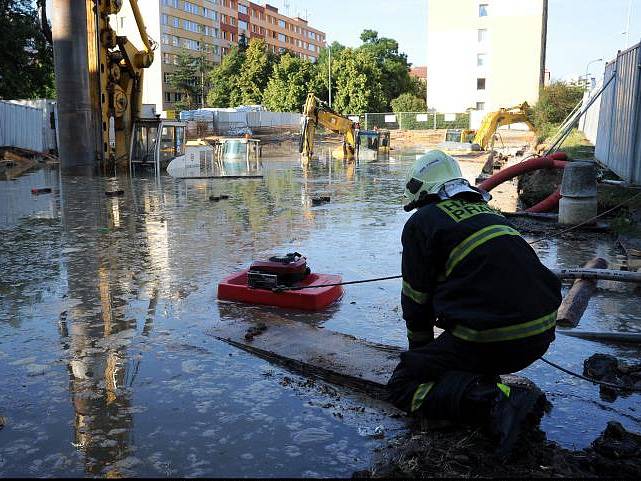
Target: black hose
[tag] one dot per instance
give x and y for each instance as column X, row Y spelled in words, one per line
column 589, row 379
column 300, row 288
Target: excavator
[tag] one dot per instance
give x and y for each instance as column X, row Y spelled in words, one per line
column 357, row 143
column 484, row 136
column 107, row 106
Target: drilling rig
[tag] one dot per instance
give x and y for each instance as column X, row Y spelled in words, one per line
column 99, row 79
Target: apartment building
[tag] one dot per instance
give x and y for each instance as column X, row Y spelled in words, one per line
column 210, row 28
column 485, row 54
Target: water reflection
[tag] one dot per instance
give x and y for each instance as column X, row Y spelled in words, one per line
column 105, row 303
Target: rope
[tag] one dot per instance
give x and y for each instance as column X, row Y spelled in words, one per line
column 589, row 221
column 589, row 379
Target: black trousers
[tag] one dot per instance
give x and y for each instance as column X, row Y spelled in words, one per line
column 448, row 353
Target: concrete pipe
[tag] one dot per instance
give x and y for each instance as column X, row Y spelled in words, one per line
column 578, row 202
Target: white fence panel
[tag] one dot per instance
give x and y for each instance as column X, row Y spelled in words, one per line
column 21, row 126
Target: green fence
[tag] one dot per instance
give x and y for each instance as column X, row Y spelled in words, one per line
column 412, row 120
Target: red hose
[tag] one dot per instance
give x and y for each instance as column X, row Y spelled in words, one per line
column 557, row 160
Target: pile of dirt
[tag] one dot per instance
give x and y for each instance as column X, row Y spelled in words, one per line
column 467, row 452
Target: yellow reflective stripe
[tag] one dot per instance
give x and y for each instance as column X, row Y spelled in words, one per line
column 419, row 396
column 509, row 333
column 417, row 296
column 472, row 242
column 505, row 389
column 420, row 336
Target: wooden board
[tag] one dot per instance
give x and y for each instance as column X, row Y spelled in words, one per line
column 332, row 356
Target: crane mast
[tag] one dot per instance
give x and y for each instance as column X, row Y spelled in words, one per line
column 99, row 78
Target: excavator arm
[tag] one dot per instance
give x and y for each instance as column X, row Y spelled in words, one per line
column 315, row 113
column 494, row 120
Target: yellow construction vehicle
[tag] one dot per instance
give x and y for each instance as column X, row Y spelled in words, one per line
column 316, row 112
column 99, row 82
column 484, row 136
column 357, row 143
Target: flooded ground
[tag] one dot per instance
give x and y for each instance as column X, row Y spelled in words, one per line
column 106, row 302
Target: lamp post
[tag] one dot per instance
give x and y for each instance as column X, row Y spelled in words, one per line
column 329, row 71
column 587, row 69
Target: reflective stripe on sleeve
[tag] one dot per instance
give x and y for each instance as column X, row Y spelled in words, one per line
column 417, row 296
column 480, row 237
column 420, row 336
column 509, row 333
column 420, row 394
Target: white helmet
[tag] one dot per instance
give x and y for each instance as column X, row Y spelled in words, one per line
column 439, row 174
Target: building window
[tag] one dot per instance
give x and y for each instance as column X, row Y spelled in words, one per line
column 481, row 59
column 167, row 96
column 282, row 37
column 191, row 8
column 175, row 21
column 242, row 9
column 242, row 24
column 480, row 105
column 179, row 96
column 166, row 77
column 483, row 10
column 164, row 19
column 170, row 3
column 482, row 35
column 282, row 24
column 480, row 84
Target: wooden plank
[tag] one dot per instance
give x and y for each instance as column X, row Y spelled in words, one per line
column 576, row 301
column 312, row 351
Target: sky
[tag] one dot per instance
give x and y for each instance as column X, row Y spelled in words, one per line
column 578, row 30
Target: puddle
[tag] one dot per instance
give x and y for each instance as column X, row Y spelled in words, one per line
column 105, row 301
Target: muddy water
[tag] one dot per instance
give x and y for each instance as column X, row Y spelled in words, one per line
column 105, row 304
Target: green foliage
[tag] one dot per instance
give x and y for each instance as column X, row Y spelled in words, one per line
column 289, row 84
column 408, row 102
column 255, row 73
column 224, row 79
column 556, row 102
column 359, row 83
column 187, row 79
column 26, row 58
column 395, row 78
column 365, row 79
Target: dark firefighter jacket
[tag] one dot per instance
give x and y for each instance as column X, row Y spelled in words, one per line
column 466, row 270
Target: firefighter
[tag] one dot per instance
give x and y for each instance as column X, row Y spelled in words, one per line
column 468, row 272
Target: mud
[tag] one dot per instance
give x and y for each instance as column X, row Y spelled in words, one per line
column 605, row 367
column 469, row 453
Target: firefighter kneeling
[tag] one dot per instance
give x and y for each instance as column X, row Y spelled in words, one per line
column 468, row 272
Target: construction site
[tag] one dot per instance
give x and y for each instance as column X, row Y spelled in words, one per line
column 235, row 292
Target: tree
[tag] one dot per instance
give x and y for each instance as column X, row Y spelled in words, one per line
column 289, row 84
column 224, row 79
column 26, row 57
column 320, row 81
column 556, row 102
column 256, row 70
column 408, row 102
column 186, row 79
column 358, row 82
column 394, row 65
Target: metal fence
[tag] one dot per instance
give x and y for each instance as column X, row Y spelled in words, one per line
column 48, row 109
column 21, row 126
column 412, row 120
column 618, row 136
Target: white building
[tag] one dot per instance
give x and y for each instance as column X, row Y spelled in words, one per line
column 485, row 54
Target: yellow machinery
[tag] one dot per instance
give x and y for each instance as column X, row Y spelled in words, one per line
column 316, row 112
column 484, row 136
column 99, row 81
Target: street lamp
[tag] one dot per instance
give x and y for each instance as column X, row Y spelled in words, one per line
column 329, row 71
column 587, row 69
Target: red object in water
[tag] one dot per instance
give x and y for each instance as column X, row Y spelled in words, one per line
column 235, row 288
column 44, row 190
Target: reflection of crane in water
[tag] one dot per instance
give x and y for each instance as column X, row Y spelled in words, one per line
column 101, row 366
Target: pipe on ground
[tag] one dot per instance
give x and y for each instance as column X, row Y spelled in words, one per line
column 557, row 160
column 576, row 301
